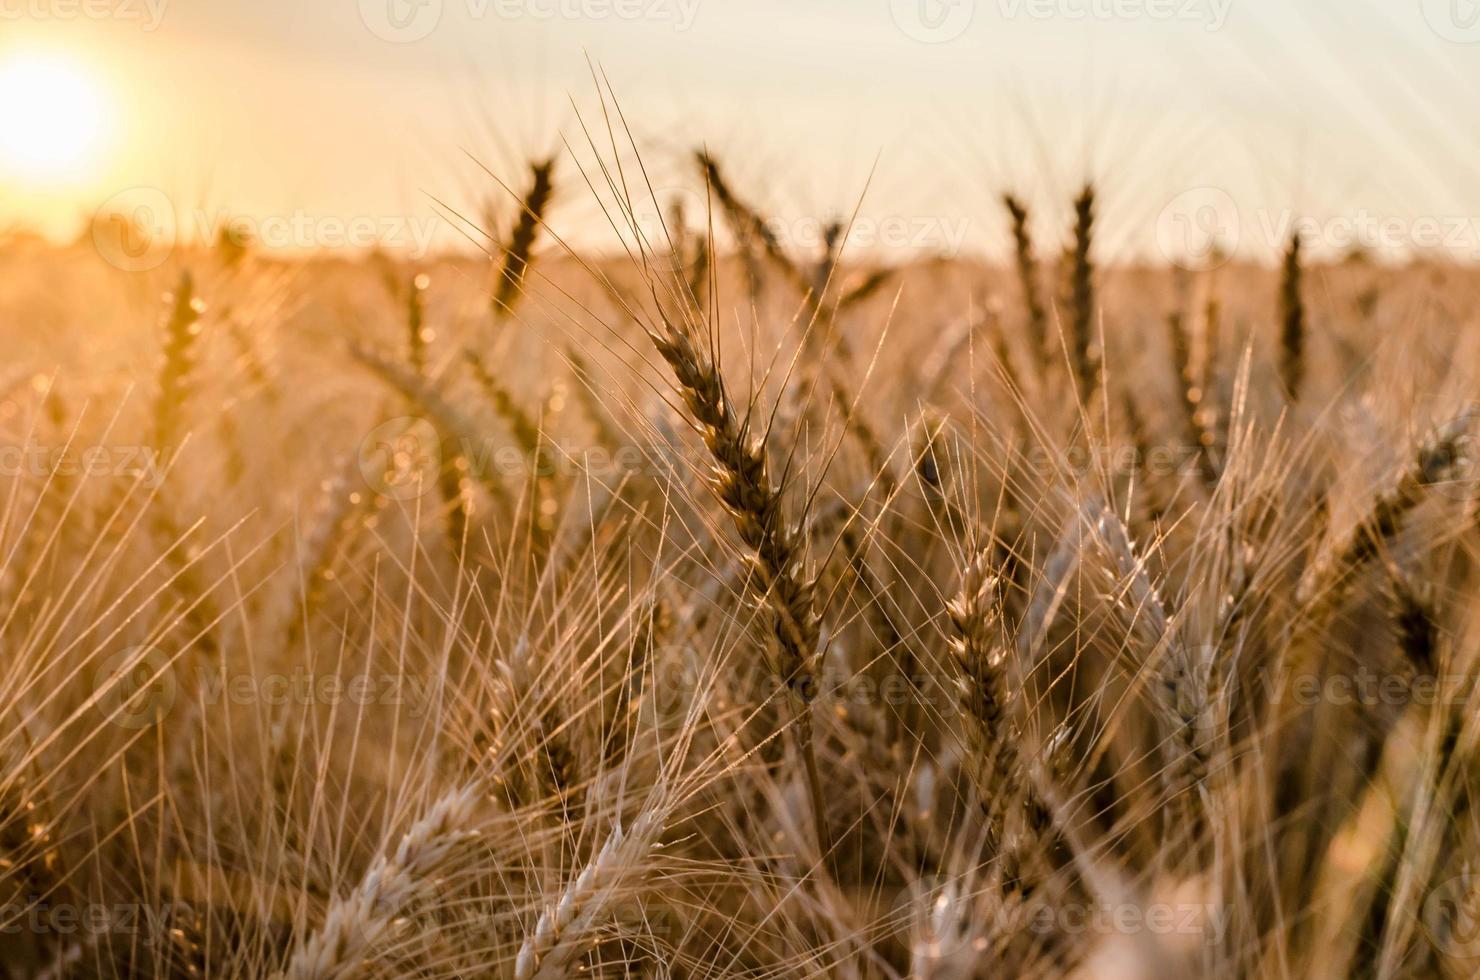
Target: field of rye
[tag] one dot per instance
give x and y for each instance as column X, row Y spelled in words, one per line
column 723, row 608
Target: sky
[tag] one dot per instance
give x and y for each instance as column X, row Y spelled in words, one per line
column 337, row 123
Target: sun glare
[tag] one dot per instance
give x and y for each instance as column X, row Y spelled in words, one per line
column 51, row 118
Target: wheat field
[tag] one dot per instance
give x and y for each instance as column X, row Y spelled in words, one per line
column 711, row 607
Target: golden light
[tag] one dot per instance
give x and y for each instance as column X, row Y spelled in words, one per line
column 52, row 119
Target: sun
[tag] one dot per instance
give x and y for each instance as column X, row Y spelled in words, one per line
column 52, row 118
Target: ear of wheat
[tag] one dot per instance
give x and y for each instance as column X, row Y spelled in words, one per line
column 509, row 284
column 749, row 228
column 1292, row 321
column 526, row 430
column 566, row 928
column 1327, row 580
column 1415, row 623
column 1082, row 294
column 864, row 288
column 1191, row 387
column 778, row 578
column 1182, row 688
column 1027, row 273
column 1021, row 823
column 355, row 924
column 181, row 330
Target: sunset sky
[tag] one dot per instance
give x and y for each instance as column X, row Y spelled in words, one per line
column 349, row 115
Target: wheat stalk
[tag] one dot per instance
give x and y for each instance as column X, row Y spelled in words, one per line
column 177, row 361
column 1082, row 293
column 417, row 332
column 316, row 552
column 1439, row 455
column 1192, row 391
column 608, row 430
column 1292, row 321
column 1027, row 273
column 748, row 226
column 358, row 922
column 509, row 284
column 1184, row 689
column 977, row 655
column 774, row 558
column 863, row 289
column 566, row 927
column 1004, row 779
column 525, row 429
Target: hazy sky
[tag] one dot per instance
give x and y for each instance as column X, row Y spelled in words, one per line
column 323, row 118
